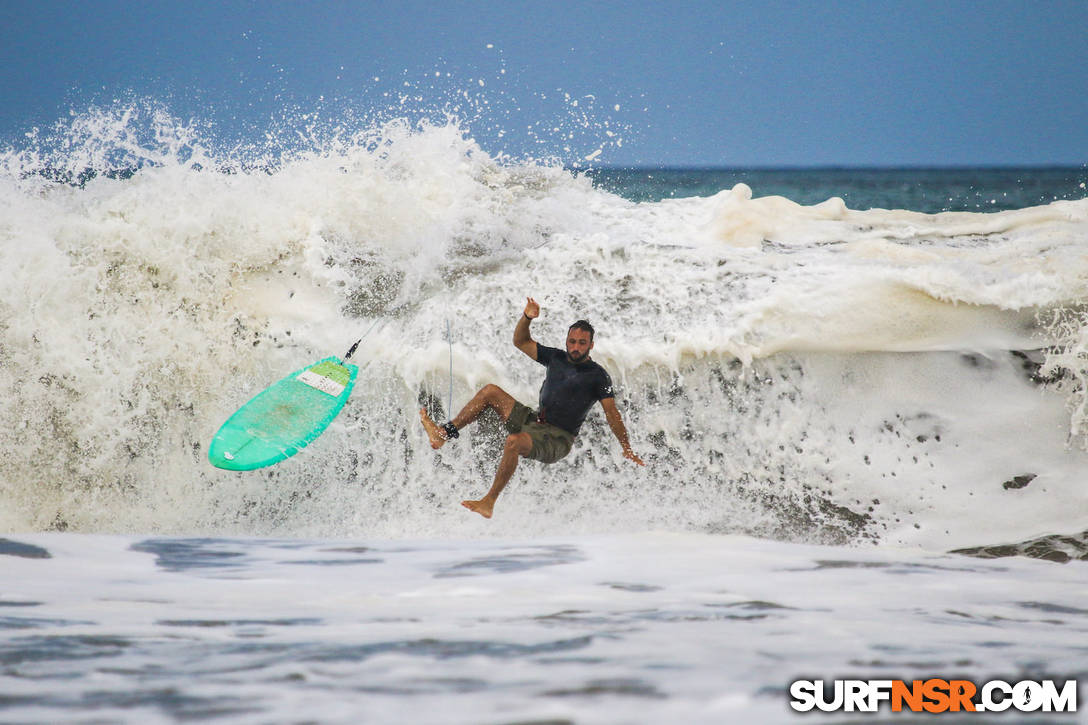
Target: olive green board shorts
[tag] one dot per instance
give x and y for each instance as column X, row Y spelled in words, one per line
column 550, row 443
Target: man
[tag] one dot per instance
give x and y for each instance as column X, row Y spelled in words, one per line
column 572, row 384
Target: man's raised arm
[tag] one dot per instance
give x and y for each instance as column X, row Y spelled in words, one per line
column 522, row 340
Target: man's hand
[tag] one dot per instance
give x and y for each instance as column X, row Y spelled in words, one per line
column 532, row 309
column 630, row 455
column 522, row 339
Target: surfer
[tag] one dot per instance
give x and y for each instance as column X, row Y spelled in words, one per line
column 572, row 384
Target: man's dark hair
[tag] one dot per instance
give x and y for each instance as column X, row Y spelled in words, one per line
column 582, row 325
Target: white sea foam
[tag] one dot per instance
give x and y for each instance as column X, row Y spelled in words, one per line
column 804, row 372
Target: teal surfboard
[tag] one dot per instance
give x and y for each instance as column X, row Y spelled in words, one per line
column 283, row 418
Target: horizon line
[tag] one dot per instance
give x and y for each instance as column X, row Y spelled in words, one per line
column 831, row 167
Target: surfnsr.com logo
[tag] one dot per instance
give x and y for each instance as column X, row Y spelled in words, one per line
column 933, row 695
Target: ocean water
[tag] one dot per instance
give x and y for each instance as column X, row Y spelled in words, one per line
column 929, row 190
column 860, row 395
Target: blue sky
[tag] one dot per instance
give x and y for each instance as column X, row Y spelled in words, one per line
column 649, row 83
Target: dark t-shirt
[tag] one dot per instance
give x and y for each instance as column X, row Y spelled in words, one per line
column 570, row 390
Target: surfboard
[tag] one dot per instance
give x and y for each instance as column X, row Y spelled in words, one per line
column 283, row 418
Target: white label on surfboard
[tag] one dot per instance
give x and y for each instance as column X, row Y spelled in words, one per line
column 322, row 383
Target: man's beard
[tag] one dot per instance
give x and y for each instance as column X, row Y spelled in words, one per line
column 573, row 357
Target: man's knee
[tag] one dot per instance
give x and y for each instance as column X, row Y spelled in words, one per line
column 519, row 443
column 497, row 398
column 494, row 395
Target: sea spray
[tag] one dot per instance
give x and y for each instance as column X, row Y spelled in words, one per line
column 809, row 373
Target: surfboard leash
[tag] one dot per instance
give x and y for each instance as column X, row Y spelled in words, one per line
column 355, row 347
column 449, row 339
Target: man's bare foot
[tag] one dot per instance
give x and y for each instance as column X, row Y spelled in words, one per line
column 436, row 434
column 482, row 507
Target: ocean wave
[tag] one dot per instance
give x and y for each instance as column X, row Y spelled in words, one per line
column 810, row 373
